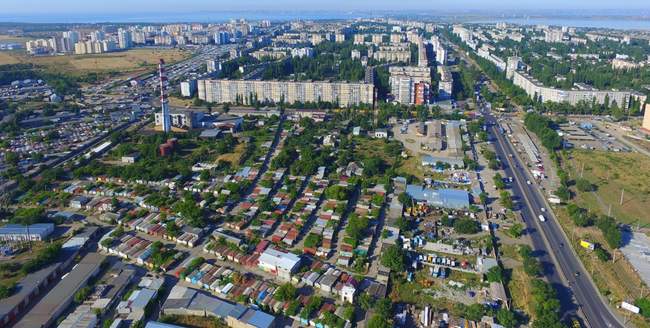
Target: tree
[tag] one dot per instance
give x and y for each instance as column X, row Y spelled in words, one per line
column 644, row 306
column 474, row 312
column 82, row 294
column 516, row 230
column 506, row 318
column 483, row 196
column 348, row 312
column 393, row 258
column 532, row 267
column 365, row 301
column 483, row 136
column 495, row 274
column 584, row 185
column 525, row 251
column 563, row 193
column 377, row 321
column 506, row 200
column 312, row 240
column 498, row 181
column 7, row 290
column 205, row 175
column 285, row 292
column 405, row 199
column 12, row 158
column 602, row 254
column 610, row 230
column 336, row 192
column 466, row 226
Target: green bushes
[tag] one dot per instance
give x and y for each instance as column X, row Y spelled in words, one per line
column 394, row 258
column 44, row 257
column 466, row 226
column 644, row 305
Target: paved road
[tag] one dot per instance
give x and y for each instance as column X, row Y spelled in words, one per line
column 577, row 293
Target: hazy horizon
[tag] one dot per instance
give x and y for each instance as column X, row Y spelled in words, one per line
column 165, row 11
column 56, row 7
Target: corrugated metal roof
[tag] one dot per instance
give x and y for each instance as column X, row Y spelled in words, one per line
column 448, row 198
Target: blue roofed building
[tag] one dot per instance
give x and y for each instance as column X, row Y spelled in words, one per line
column 34, row 232
column 156, row 324
column 445, row 198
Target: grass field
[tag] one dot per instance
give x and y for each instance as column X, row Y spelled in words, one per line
column 233, row 157
column 13, row 39
column 125, row 61
column 412, row 165
column 611, row 173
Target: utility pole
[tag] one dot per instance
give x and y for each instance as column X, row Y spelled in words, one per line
column 609, row 212
column 622, row 193
column 642, row 290
column 582, row 170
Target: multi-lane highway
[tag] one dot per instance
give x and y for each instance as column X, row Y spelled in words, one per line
column 562, row 268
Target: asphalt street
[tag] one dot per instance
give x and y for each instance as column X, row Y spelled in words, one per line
column 578, row 295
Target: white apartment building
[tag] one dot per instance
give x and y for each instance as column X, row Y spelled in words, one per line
column 446, row 83
column 188, row 88
column 233, row 91
column 535, row 88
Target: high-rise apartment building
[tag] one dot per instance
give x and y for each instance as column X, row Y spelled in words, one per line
column 410, row 84
column 124, row 39
column 97, row 36
column 446, row 83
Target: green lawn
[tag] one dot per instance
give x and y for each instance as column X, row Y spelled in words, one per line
column 611, row 173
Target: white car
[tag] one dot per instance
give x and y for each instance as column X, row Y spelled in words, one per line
column 543, row 209
column 542, row 218
column 528, row 182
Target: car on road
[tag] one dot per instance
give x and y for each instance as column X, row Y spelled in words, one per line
column 543, row 209
column 528, row 182
column 542, row 218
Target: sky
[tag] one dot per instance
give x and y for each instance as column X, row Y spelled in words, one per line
column 27, row 7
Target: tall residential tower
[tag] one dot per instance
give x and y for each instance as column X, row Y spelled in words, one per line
column 164, row 103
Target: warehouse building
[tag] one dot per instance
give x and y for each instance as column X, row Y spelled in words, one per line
column 46, row 312
column 188, row 301
column 282, row 264
column 34, row 232
column 444, row 198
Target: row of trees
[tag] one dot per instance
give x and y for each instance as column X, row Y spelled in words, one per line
column 543, row 128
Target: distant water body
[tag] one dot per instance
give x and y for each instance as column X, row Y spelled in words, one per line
column 622, row 23
column 206, row 17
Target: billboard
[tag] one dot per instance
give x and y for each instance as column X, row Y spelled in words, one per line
column 587, row 245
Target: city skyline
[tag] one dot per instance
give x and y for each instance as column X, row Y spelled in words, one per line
column 35, row 7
